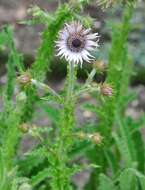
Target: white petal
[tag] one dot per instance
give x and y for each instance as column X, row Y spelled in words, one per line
column 79, row 28
column 89, row 48
column 87, row 56
column 92, row 36
column 70, row 55
column 85, row 32
column 91, row 43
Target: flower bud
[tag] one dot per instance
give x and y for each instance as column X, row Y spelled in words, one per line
column 100, row 66
column 106, row 90
column 96, row 138
column 24, row 127
column 24, row 79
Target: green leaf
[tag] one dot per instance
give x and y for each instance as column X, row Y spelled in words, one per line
column 14, row 60
column 140, row 150
column 112, row 160
column 2, row 173
column 33, row 159
column 128, row 180
column 3, row 38
column 140, row 176
column 105, row 183
column 42, row 175
column 125, row 143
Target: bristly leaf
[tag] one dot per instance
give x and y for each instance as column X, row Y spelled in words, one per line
column 125, row 143
column 14, row 61
column 31, row 160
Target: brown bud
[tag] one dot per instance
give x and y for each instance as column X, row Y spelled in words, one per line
column 106, row 90
column 24, row 79
column 100, row 66
column 96, row 138
column 24, row 127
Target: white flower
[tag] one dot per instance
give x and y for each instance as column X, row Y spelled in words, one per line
column 75, row 43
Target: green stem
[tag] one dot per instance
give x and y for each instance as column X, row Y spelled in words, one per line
column 45, row 87
column 90, row 77
column 62, row 178
column 71, row 81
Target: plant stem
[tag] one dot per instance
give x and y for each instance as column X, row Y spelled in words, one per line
column 90, row 77
column 45, row 87
column 63, row 176
column 71, row 81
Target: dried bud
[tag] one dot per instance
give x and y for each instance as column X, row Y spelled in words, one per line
column 96, row 138
column 25, row 79
column 106, row 90
column 100, row 66
column 24, row 127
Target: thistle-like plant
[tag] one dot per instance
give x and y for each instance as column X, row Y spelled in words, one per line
column 73, row 40
column 112, row 143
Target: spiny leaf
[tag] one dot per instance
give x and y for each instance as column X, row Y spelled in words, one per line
column 40, row 176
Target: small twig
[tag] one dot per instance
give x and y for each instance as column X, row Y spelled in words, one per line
column 45, row 88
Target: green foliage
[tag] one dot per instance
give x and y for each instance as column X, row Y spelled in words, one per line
column 106, row 183
column 45, row 54
column 46, row 50
column 14, row 59
column 128, row 179
column 111, row 111
column 110, row 148
column 118, row 67
column 42, row 175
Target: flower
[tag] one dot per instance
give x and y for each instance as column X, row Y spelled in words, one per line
column 75, row 43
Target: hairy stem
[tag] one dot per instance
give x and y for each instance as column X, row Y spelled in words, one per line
column 64, row 144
